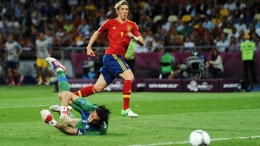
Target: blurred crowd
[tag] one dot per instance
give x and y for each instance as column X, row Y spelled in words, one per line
column 211, row 23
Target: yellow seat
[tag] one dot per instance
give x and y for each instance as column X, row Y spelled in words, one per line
column 156, row 18
column 223, row 12
column 257, row 16
column 186, row 18
column 215, row 21
column 142, row 4
column 172, row 18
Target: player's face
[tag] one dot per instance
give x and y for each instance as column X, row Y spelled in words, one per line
column 93, row 118
column 123, row 12
column 10, row 38
column 41, row 36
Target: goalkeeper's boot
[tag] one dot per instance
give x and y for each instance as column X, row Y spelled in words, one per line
column 55, row 64
column 57, row 108
column 128, row 112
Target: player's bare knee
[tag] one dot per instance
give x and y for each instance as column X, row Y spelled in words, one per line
column 62, row 94
column 98, row 89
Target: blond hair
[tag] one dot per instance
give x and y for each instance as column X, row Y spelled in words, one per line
column 119, row 4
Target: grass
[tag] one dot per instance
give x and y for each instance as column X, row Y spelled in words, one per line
column 164, row 118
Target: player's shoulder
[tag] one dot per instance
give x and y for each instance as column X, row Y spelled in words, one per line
column 131, row 22
column 108, row 21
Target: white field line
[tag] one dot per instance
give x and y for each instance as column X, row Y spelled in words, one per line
column 187, row 142
column 24, row 106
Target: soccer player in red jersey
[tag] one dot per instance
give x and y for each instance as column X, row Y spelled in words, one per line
column 120, row 31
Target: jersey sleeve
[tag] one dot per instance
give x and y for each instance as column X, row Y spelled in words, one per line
column 18, row 46
column 135, row 30
column 102, row 29
column 49, row 45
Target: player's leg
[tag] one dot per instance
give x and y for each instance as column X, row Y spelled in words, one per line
column 105, row 78
column 38, row 67
column 252, row 71
column 10, row 72
column 246, row 67
column 121, row 69
column 127, row 90
column 17, row 73
column 47, row 73
column 64, row 88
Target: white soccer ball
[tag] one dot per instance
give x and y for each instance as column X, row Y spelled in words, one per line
column 199, row 138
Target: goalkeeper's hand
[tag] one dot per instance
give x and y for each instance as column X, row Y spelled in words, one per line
column 47, row 117
column 64, row 114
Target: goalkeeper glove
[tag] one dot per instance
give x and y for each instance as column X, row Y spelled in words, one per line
column 47, row 117
column 64, row 114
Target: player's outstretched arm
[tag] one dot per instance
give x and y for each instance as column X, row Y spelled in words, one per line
column 48, row 118
column 67, row 130
column 92, row 40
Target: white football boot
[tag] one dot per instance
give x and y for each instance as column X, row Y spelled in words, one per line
column 55, row 64
column 129, row 113
column 57, row 108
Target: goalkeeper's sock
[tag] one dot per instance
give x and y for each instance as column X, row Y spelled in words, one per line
column 86, row 91
column 127, row 90
column 62, row 81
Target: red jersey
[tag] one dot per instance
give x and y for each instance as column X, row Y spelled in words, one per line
column 116, row 31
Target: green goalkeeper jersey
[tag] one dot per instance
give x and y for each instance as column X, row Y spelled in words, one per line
column 83, row 105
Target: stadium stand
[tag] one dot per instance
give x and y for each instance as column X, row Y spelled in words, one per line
column 70, row 23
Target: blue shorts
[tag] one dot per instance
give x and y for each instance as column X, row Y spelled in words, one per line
column 12, row 64
column 113, row 65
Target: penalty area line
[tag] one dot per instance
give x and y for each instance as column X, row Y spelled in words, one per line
column 25, row 106
column 187, row 142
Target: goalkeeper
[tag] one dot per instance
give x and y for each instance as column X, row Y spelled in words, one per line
column 94, row 118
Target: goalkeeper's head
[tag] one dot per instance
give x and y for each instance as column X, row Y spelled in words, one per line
column 98, row 116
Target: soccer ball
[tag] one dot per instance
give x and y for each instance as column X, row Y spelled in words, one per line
column 199, row 138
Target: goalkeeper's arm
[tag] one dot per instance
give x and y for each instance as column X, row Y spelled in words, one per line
column 67, row 130
column 48, row 118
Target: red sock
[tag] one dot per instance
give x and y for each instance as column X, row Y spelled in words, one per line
column 86, row 91
column 127, row 90
column 11, row 78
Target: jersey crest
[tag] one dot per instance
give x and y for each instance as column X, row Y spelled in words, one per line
column 129, row 28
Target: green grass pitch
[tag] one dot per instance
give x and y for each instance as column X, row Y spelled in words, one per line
column 231, row 119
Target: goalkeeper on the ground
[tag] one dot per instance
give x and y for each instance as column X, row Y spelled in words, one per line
column 94, row 118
